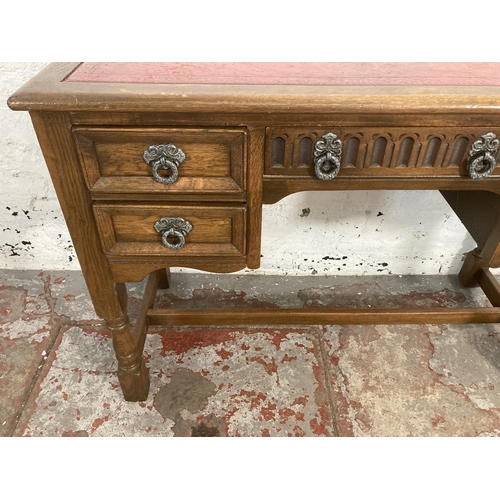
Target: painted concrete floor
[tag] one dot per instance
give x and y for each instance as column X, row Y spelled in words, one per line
column 57, row 367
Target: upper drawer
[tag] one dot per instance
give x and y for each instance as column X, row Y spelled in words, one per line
column 372, row 151
column 211, row 164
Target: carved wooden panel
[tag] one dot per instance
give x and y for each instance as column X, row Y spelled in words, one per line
column 374, row 151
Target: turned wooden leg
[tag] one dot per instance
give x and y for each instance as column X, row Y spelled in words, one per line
column 110, row 300
column 111, row 304
column 132, row 372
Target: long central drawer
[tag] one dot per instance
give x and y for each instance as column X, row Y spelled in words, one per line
column 374, row 151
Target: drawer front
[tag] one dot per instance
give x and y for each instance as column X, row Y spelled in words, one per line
column 374, row 151
column 211, row 163
column 140, row 230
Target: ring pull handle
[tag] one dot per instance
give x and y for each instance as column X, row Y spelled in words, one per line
column 164, row 157
column 327, row 153
column 173, row 231
column 481, row 159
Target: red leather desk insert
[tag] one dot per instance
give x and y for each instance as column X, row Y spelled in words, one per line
column 345, row 74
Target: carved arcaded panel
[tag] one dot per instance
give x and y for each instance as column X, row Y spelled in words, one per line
column 391, row 151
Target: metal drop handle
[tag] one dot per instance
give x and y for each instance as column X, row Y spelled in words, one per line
column 481, row 159
column 327, row 153
column 173, row 231
column 164, row 157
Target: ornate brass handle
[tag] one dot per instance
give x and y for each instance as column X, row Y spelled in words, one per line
column 173, row 230
column 481, row 160
column 164, row 157
column 327, row 154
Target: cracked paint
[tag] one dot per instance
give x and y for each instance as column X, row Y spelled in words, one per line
column 206, row 297
column 26, row 331
column 246, row 399
column 475, row 374
column 373, row 295
column 385, row 383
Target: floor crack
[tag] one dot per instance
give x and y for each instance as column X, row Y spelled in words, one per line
column 328, row 385
column 34, row 380
column 56, row 325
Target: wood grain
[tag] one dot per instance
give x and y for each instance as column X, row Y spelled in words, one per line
column 489, row 285
column 164, row 278
column 289, row 118
column 136, row 269
column 142, row 323
column 170, row 317
column 472, row 264
column 275, row 188
column 54, row 134
column 256, row 138
column 375, row 151
column 214, row 158
column 129, row 230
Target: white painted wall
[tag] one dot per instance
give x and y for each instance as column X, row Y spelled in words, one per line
column 351, row 233
column 33, row 234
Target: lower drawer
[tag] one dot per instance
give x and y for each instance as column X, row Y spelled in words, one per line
column 171, row 230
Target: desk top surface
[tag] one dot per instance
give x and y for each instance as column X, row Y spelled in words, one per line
column 321, row 74
column 264, row 88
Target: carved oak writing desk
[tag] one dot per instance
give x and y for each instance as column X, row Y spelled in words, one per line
column 168, row 164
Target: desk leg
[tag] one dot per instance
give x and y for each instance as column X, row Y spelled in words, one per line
column 479, row 211
column 54, row 131
column 110, row 301
column 132, row 372
column 473, row 262
column 165, row 279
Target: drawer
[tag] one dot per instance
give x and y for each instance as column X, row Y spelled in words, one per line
column 140, row 230
column 374, row 151
column 209, row 163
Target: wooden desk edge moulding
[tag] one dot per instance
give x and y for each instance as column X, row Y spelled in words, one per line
column 169, row 164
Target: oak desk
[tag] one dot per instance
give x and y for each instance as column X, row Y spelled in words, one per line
column 168, row 164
